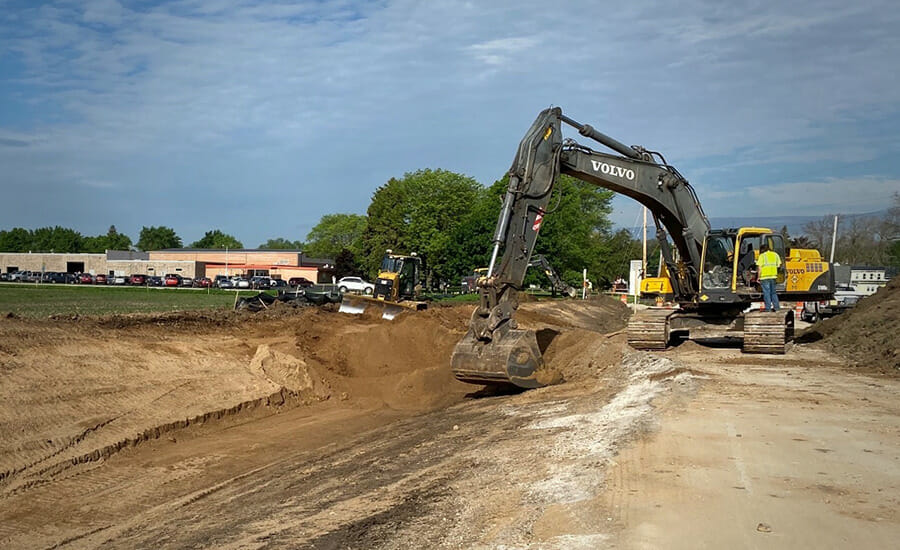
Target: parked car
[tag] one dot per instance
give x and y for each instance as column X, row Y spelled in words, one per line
column 4, row 276
column 153, row 280
column 302, row 282
column 100, row 279
column 240, row 282
column 138, row 279
column 172, row 280
column 55, row 277
column 355, row 284
column 224, row 283
column 845, row 297
column 187, row 281
column 203, row 282
column 260, row 282
column 86, row 279
column 119, row 280
column 277, row 283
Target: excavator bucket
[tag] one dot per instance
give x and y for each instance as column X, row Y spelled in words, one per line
column 354, row 304
column 515, row 359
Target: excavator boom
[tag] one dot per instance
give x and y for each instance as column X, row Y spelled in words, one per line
column 495, row 350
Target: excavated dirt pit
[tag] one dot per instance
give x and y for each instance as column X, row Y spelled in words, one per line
column 74, row 391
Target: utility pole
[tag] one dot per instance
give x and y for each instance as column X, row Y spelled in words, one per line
column 644, row 241
column 833, row 240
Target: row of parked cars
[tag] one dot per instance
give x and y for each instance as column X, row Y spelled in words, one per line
column 169, row 280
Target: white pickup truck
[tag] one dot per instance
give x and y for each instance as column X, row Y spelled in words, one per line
column 845, row 297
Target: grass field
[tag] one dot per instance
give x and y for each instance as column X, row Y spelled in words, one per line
column 29, row 300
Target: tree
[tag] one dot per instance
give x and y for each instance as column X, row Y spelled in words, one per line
column 418, row 213
column 863, row 240
column 281, row 243
column 158, row 238
column 56, row 239
column 17, row 239
column 345, row 264
column 217, row 239
column 113, row 240
column 576, row 232
column 334, row 233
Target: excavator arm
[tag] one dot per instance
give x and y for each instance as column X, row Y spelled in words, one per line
column 558, row 285
column 495, row 350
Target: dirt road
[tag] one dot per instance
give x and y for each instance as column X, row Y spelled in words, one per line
column 696, row 447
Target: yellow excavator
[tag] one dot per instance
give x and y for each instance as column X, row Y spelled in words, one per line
column 709, row 270
column 398, row 287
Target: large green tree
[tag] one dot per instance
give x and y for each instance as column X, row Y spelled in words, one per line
column 113, row 240
column 334, row 233
column 281, row 243
column 158, row 238
column 418, row 213
column 56, row 239
column 217, row 239
column 17, row 239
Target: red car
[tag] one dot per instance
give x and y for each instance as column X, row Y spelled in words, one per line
column 137, row 279
column 203, row 282
column 302, row 282
column 86, row 279
column 100, row 279
column 173, row 280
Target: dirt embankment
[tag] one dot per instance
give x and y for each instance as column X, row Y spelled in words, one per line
column 868, row 334
column 73, row 391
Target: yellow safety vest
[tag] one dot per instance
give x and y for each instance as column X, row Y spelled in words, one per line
column 768, row 263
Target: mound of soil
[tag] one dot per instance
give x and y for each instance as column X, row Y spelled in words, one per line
column 76, row 390
column 868, row 333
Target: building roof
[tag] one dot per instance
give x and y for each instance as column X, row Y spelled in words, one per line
column 261, row 250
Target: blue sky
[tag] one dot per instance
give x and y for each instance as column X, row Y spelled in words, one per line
column 257, row 118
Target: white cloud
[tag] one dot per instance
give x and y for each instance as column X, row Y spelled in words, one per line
column 225, row 96
column 830, row 195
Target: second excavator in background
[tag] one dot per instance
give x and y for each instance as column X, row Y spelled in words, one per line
column 712, row 290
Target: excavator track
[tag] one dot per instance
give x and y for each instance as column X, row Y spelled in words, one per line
column 768, row 331
column 649, row 329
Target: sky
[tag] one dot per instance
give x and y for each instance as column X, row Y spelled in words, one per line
column 257, row 118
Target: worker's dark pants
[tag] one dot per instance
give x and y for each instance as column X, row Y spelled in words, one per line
column 769, row 295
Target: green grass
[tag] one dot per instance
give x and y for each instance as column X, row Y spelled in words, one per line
column 37, row 301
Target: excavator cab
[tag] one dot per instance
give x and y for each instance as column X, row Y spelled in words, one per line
column 729, row 259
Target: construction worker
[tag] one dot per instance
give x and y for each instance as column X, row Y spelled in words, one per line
column 768, row 263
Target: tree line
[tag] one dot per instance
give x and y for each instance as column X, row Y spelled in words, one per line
column 449, row 220
column 861, row 240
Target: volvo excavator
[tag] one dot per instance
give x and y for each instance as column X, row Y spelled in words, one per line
column 707, row 268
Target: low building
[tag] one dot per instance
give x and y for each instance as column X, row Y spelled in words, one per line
column 277, row 264
column 867, row 280
column 187, row 262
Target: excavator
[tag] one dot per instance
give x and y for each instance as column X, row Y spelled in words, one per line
column 708, row 269
column 557, row 285
column 397, row 287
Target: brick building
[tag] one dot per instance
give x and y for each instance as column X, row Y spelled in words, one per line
column 279, row 264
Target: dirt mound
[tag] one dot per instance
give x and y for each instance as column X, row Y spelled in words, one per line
column 868, row 333
column 75, row 390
